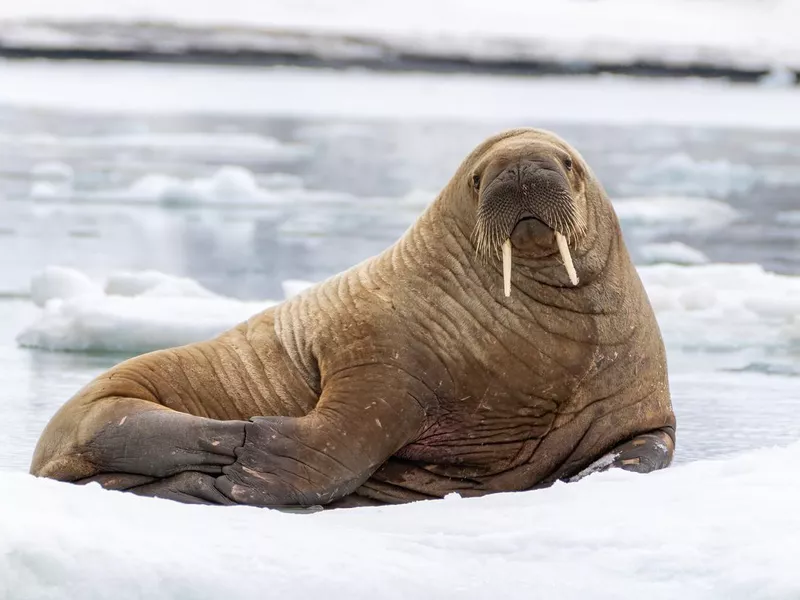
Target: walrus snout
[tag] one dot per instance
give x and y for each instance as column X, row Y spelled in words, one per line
column 526, row 189
column 542, row 191
column 529, row 203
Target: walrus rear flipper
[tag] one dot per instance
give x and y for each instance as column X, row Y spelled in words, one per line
column 124, row 442
column 644, row 453
column 189, row 487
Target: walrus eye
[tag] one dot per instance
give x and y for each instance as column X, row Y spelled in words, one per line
column 476, row 181
column 568, row 163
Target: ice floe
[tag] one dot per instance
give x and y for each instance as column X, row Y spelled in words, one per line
column 710, row 529
column 723, row 307
column 130, row 313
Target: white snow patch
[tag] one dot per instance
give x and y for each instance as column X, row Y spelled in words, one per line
column 672, row 252
column 133, row 325
column 680, row 174
column 597, row 466
column 727, row 34
column 63, row 283
column 722, row 306
column 133, row 312
column 229, row 185
column 154, row 284
column 123, row 88
column 53, row 170
column 709, row 529
column 49, row 190
column 676, row 211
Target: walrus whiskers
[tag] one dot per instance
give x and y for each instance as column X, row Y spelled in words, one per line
column 563, row 249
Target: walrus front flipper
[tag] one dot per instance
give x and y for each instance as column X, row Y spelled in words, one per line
column 644, row 453
column 363, row 417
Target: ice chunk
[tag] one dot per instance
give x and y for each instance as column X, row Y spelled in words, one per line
column 154, row 283
column 53, row 170
column 63, row 283
column 727, row 525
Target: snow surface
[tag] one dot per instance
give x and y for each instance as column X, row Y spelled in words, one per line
column 733, row 33
column 129, row 87
column 714, row 307
column 710, row 529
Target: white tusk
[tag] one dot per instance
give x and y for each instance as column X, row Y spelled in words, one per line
column 507, row 267
column 563, row 248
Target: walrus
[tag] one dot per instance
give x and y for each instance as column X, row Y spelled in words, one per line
column 503, row 343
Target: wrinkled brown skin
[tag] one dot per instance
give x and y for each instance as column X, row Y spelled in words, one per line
column 407, row 377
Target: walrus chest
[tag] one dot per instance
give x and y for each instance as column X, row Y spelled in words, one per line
column 505, row 393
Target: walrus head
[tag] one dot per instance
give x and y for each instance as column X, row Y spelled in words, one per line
column 530, row 190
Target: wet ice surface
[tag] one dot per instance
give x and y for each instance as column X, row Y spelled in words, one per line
column 241, row 204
